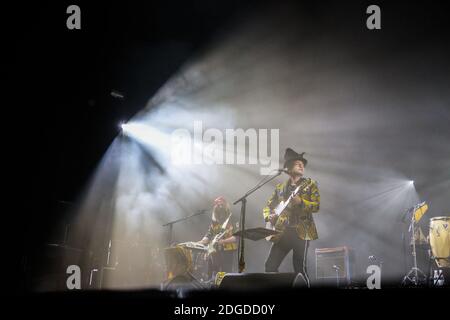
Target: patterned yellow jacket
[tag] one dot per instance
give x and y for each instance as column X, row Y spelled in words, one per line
column 216, row 228
column 301, row 214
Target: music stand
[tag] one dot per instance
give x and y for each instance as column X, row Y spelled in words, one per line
column 256, row 234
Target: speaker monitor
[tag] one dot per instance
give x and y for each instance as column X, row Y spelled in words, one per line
column 262, row 281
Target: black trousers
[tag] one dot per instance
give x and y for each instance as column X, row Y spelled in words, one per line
column 288, row 241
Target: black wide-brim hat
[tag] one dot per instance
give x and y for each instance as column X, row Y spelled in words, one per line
column 290, row 155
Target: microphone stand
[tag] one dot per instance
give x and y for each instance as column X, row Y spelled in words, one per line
column 413, row 275
column 403, row 219
column 171, row 223
column 243, row 201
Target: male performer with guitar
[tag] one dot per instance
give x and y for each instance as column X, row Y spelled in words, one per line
column 289, row 210
column 221, row 243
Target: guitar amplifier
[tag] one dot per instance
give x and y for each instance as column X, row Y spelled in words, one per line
column 334, row 266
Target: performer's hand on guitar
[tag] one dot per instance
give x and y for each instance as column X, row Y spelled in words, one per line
column 220, row 243
column 297, row 200
column 273, row 218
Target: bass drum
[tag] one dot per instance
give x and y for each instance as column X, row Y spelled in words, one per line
column 440, row 240
column 178, row 261
column 201, row 261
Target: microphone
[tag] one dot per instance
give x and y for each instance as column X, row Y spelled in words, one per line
column 283, row 170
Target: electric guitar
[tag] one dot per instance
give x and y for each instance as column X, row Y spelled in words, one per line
column 211, row 248
column 279, row 209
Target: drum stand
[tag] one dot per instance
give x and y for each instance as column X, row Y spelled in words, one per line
column 413, row 275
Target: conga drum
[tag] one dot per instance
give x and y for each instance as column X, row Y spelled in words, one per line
column 440, row 240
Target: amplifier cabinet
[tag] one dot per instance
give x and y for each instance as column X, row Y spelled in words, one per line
column 334, row 266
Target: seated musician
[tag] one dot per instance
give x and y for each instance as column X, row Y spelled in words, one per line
column 222, row 223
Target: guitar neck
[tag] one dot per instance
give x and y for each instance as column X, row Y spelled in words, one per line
column 284, row 204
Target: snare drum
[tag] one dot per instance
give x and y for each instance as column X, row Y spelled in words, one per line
column 440, row 240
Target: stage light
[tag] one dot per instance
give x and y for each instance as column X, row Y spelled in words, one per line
column 147, row 135
column 411, row 182
column 125, row 128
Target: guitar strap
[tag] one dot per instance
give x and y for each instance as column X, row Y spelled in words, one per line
column 224, row 225
column 288, row 200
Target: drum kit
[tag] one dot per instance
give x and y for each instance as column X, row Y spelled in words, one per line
column 192, row 259
column 438, row 241
column 187, row 258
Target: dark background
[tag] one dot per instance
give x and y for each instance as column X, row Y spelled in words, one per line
column 63, row 117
